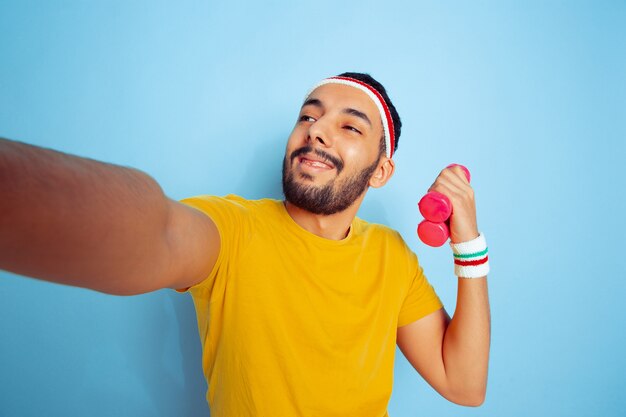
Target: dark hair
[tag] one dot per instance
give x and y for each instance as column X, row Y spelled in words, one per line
column 369, row 80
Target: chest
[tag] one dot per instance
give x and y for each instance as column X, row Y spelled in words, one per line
column 286, row 286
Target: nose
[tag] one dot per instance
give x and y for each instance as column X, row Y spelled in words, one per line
column 320, row 132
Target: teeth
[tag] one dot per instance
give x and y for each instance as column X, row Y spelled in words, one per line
column 316, row 164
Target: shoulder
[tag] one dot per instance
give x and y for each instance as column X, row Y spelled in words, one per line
column 388, row 240
column 204, row 201
column 381, row 233
column 233, row 211
column 232, row 202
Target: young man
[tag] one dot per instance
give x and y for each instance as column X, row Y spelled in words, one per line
column 300, row 304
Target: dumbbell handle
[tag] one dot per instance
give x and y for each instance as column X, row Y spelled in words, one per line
column 436, row 209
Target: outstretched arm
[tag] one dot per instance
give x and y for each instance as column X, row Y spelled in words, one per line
column 453, row 354
column 86, row 223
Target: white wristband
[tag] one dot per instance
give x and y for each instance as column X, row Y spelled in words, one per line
column 471, row 258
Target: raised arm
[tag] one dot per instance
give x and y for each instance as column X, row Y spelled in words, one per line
column 85, row 223
column 453, row 354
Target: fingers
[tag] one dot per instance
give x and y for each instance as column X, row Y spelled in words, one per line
column 453, row 178
column 453, row 183
column 460, row 168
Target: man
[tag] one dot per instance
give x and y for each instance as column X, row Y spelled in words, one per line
column 300, row 304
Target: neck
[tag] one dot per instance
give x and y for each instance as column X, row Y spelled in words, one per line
column 334, row 226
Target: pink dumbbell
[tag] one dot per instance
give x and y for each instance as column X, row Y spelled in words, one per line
column 436, row 209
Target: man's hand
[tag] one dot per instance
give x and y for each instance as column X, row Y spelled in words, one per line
column 453, row 183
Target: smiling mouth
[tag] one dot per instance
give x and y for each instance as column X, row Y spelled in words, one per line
column 313, row 163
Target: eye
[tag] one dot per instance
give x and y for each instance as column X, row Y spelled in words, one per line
column 306, row 118
column 353, row 129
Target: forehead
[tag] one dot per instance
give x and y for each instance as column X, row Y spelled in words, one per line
column 344, row 96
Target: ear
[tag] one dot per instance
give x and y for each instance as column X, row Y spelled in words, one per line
column 383, row 173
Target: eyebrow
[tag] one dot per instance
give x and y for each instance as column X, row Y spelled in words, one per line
column 359, row 114
column 354, row 112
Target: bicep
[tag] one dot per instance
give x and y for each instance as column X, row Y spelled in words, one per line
column 421, row 342
column 193, row 242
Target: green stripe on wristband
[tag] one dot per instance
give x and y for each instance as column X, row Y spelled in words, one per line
column 471, row 255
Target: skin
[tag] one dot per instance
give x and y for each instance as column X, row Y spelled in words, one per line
column 104, row 227
column 111, row 229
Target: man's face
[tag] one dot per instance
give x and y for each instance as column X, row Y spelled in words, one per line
column 333, row 150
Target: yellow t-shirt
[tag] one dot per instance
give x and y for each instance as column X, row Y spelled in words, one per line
column 293, row 324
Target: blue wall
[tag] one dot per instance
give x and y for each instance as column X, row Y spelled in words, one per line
column 531, row 96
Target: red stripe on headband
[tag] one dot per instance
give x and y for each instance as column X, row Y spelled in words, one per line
column 392, row 135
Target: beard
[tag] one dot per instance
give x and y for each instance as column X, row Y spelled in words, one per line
column 326, row 199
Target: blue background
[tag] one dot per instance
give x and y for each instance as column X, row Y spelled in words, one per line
column 531, row 96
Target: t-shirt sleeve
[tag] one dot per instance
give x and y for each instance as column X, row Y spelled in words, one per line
column 231, row 217
column 421, row 298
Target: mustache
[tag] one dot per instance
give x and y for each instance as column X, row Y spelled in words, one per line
column 320, row 153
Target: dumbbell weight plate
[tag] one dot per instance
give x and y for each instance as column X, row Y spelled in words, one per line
column 433, row 234
column 435, row 207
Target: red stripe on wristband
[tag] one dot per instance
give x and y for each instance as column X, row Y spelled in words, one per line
column 471, row 263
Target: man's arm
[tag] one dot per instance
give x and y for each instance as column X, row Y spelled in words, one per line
column 85, row 223
column 453, row 355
